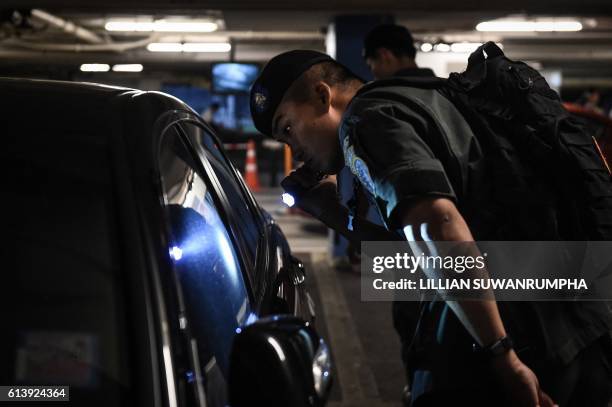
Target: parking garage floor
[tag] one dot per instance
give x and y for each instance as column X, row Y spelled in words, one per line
column 366, row 350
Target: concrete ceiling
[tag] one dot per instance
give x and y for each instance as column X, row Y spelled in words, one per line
column 261, row 29
column 599, row 7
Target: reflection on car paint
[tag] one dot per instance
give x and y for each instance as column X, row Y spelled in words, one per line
column 176, row 253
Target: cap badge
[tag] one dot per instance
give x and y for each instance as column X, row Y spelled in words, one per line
column 260, row 99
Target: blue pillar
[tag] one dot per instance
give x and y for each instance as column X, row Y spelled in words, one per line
column 350, row 31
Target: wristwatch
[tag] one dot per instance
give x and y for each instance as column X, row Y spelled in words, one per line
column 499, row 347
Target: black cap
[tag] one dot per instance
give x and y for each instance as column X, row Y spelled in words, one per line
column 274, row 80
column 395, row 38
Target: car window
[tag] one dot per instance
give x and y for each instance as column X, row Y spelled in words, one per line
column 205, row 259
column 63, row 294
column 246, row 218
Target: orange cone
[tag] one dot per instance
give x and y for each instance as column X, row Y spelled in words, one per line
column 250, row 171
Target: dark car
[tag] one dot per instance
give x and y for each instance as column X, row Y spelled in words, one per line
column 137, row 267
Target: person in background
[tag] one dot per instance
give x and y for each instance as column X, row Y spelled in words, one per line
column 389, row 51
column 590, row 100
column 209, row 114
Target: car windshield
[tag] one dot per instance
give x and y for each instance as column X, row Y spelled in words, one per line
column 63, row 314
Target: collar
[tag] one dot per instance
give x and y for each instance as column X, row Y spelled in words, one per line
column 415, row 72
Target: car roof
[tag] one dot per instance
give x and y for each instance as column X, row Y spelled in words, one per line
column 85, row 90
column 33, row 106
column 38, row 86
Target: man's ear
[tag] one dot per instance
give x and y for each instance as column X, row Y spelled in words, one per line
column 323, row 96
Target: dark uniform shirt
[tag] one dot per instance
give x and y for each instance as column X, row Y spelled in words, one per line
column 405, row 143
column 397, row 141
column 415, row 72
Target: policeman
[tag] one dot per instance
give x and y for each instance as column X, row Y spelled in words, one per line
column 409, row 148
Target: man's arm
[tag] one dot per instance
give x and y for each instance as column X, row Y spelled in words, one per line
column 445, row 223
column 320, row 199
column 481, row 318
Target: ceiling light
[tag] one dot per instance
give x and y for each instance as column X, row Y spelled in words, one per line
column 529, row 26
column 127, row 68
column 165, row 47
column 464, row 47
column 129, row 26
column 189, row 47
column 426, row 47
column 442, row 47
column 95, row 68
column 207, row 47
column 162, row 26
column 190, row 27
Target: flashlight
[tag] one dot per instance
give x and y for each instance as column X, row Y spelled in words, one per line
column 295, row 187
column 288, row 199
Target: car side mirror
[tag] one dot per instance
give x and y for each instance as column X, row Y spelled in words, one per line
column 279, row 361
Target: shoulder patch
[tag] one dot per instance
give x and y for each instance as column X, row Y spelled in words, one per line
column 361, row 171
column 357, row 165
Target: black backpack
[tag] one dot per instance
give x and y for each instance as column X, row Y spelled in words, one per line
column 549, row 178
column 548, row 171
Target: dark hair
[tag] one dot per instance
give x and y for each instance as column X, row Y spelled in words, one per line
column 395, row 38
column 330, row 72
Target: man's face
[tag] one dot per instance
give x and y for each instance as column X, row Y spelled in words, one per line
column 312, row 133
column 384, row 64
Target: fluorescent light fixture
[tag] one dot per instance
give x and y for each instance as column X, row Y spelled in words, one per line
column 442, row 47
column 185, row 26
column 140, row 26
column 190, row 26
column 426, row 47
column 529, row 26
column 165, row 47
column 95, row 68
column 189, row 47
column 207, row 47
column 464, row 47
column 127, row 68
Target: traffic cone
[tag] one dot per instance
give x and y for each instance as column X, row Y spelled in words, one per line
column 250, row 170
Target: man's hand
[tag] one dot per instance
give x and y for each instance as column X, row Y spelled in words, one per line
column 519, row 382
column 316, row 197
column 444, row 222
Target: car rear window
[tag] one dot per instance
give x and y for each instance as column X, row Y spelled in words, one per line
column 63, row 315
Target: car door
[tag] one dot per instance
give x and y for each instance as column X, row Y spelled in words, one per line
column 208, row 265
column 277, row 278
column 73, row 290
